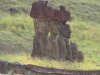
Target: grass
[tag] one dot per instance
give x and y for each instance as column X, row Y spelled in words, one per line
column 25, row 58
column 16, row 33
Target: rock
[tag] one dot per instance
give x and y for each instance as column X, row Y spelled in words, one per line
column 77, row 55
column 80, row 56
column 13, row 11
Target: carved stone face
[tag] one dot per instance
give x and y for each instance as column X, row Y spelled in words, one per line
column 64, row 30
column 68, row 31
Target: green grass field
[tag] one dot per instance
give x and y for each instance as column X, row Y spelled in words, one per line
column 16, row 33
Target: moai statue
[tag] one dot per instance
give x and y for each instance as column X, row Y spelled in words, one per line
column 74, row 50
column 54, row 38
column 53, row 30
column 64, row 35
column 56, row 45
column 67, row 50
column 76, row 55
column 59, row 17
column 43, row 23
column 64, row 45
column 37, row 12
column 52, row 46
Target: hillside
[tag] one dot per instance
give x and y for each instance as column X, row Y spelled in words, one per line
column 17, row 30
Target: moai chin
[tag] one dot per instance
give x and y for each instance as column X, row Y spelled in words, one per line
column 48, row 20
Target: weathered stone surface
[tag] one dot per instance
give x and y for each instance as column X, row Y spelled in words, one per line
column 37, row 73
column 19, row 70
column 46, row 47
column 40, row 37
column 63, row 41
column 74, row 50
column 2, row 68
column 49, row 12
column 64, row 15
column 38, row 9
column 54, row 38
column 38, row 70
column 41, row 10
column 77, row 55
column 42, row 44
column 62, row 47
column 64, row 30
column 80, row 56
column 56, row 45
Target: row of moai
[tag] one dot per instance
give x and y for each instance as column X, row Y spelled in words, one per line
column 52, row 34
